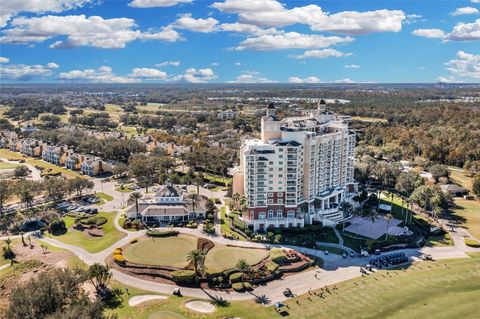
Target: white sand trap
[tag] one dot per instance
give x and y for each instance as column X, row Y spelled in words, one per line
column 134, row 301
column 200, row 306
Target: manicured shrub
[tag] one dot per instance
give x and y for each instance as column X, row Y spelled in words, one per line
column 183, row 276
column 167, row 233
column 117, row 252
column 119, row 259
column 247, row 286
column 272, row 266
column 472, row 243
column 278, row 256
column 95, row 220
column 57, row 225
column 236, row 277
column 238, row 287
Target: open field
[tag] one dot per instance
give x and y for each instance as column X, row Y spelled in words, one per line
column 166, row 251
column 53, row 168
column 91, row 244
column 221, row 257
column 458, row 177
column 425, row 289
column 469, row 210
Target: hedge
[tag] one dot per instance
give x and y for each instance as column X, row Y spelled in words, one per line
column 278, row 256
column 95, row 220
column 247, row 286
column 272, row 266
column 117, row 252
column 156, row 233
column 119, row 259
column 183, row 276
column 236, row 277
column 472, row 243
column 238, row 287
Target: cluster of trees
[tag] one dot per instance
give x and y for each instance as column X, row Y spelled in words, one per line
column 58, row 293
column 100, row 120
column 210, row 159
column 149, row 121
column 56, row 188
column 149, row 170
column 27, row 108
column 109, row 148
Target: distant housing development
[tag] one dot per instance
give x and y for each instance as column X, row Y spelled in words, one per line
column 299, row 171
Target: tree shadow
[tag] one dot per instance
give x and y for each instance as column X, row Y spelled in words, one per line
column 216, row 300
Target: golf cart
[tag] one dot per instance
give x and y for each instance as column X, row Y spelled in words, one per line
column 177, row 292
column 287, row 293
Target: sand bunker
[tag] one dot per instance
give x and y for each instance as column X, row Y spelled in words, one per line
column 200, row 306
column 134, row 301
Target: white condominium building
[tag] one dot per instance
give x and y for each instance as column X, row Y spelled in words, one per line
column 298, row 172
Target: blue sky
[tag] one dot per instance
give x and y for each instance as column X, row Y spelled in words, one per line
column 198, row 41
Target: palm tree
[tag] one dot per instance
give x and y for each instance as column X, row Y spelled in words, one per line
column 197, row 258
column 346, row 208
column 357, row 212
column 388, row 217
column 243, row 267
column 136, row 196
column 193, row 200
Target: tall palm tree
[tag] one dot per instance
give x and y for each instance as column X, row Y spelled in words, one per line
column 346, row 208
column 193, row 199
column 197, row 258
column 388, row 217
column 357, row 212
column 243, row 267
column 136, row 196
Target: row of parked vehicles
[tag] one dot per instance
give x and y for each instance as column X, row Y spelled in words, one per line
column 67, row 206
column 389, row 260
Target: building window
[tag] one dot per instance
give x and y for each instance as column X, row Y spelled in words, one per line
column 291, row 214
column 270, row 214
column 270, row 194
column 261, row 215
column 279, row 214
column 280, row 201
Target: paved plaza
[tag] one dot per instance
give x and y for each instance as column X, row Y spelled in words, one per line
column 374, row 229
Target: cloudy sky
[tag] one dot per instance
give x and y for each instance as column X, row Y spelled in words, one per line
column 239, row 41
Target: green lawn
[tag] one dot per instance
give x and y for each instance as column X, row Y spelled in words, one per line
column 396, row 205
column 91, row 244
column 173, row 308
column 469, row 215
column 354, row 242
column 439, row 241
column 10, row 155
column 105, row 197
column 164, row 251
column 4, row 165
column 4, row 261
column 221, row 257
column 424, row 290
column 459, row 178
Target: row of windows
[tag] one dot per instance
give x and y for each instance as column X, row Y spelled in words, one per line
column 262, row 215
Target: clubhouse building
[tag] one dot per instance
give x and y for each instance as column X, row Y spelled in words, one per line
column 169, row 205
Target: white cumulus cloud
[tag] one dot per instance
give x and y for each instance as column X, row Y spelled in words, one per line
column 193, row 75
column 156, row 3
column 466, row 65
column 79, row 30
column 10, row 8
column 290, row 40
column 167, row 63
column 103, row 74
column 464, row 10
column 23, row 72
column 251, row 77
column 321, row 54
column 429, row 33
column 310, row 79
column 148, row 74
column 271, row 13
column 4, row 60
column 186, row 22
column 352, row 66
column 345, row 80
